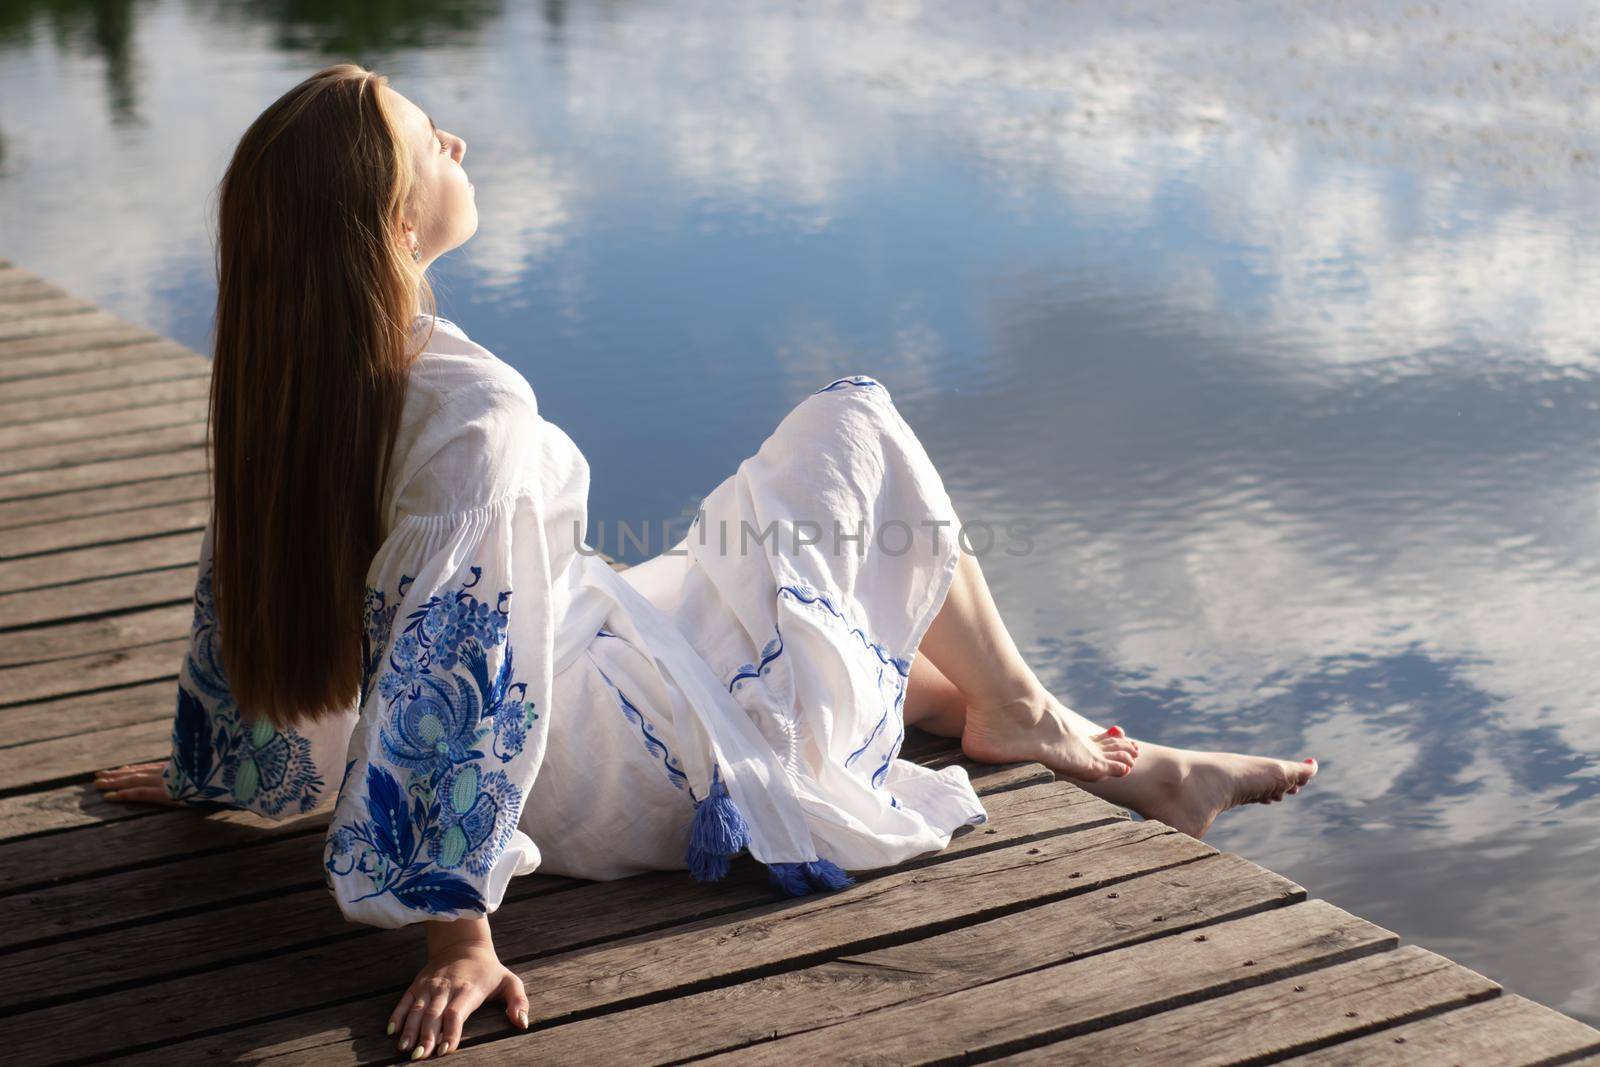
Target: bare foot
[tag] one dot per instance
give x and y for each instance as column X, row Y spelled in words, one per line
column 1042, row 730
column 1189, row 789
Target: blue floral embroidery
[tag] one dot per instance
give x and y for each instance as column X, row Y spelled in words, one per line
column 652, row 743
column 902, row 668
column 807, row 595
column 452, row 812
column 217, row 757
column 769, row 652
column 854, row 379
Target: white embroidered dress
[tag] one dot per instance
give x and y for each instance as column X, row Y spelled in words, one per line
column 527, row 707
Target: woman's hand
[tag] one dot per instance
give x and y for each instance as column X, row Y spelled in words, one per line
column 462, row 972
column 139, row 782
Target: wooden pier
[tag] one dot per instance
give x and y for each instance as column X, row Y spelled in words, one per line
column 1060, row 932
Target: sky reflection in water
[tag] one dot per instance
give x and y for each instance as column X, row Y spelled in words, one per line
column 1279, row 327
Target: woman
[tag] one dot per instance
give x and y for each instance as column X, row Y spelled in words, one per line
column 393, row 572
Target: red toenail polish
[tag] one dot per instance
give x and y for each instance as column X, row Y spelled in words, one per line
column 1115, row 731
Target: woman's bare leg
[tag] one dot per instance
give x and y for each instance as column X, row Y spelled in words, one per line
column 1011, row 717
column 1184, row 788
column 933, row 702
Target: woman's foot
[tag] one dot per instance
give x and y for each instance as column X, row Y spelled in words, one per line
column 1187, row 789
column 1042, row 730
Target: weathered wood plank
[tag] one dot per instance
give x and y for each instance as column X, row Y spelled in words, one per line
column 377, row 967
column 95, row 636
column 83, row 322
column 19, row 308
column 51, row 457
column 47, row 810
column 61, row 509
column 111, row 472
column 1148, row 906
column 115, row 335
column 122, row 420
column 284, row 922
column 185, row 883
column 154, row 520
column 16, row 387
column 99, row 561
column 1278, row 1018
column 54, row 715
column 60, row 604
column 28, row 290
column 127, row 357
column 1089, row 994
column 1508, row 1031
column 34, row 410
column 161, row 834
column 49, row 762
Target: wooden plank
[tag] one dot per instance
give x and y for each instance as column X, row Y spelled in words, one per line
column 1149, row 906
column 28, row 290
column 59, row 509
column 105, row 847
column 18, row 308
column 106, row 358
column 154, row 520
column 99, row 561
column 185, row 883
column 84, row 322
column 376, row 967
column 16, row 387
column 1088, row 994
column 45, row 845
column 102, row 595
column 123, row 420
column 49, row 762
column 90, row 475
column 1279, row 1018
column 95, row 636
column 1508, row 1031
column 59, row 714
column 46, row 810
column 51, row 457
column 122, row 335
column 247, row 930
column 35, row 410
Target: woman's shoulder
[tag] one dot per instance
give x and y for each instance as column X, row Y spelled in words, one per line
column 470, row 431
column 455, row 371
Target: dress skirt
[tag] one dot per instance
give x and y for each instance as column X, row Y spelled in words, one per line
column 805, row 585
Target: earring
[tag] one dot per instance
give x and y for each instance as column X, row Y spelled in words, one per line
column 416, row 254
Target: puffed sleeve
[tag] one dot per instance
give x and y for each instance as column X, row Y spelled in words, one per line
column 223, row 759
column 453, row 732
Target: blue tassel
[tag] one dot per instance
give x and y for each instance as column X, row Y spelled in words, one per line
column 798, row 879
column 717, row 834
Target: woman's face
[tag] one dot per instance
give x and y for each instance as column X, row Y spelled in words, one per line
column 444, row 195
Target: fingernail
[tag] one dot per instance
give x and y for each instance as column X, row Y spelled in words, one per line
column 416, row 1053
column 112, row 795
column 522, row 1017
column 405, row 1043
column 391, row 1026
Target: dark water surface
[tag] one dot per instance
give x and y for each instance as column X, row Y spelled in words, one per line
column 1279, row 326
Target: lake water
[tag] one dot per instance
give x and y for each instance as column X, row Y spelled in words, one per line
column 1279, row 326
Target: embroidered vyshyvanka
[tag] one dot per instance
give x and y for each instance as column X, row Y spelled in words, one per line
column 524, row 706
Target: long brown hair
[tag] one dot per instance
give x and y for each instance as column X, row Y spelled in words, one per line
column 316, row 293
